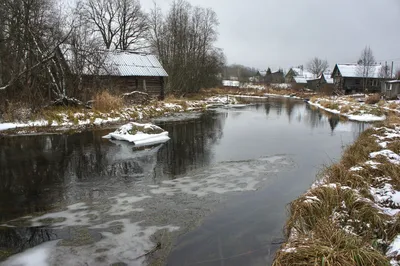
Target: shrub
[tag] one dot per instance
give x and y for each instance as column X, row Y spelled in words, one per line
column 373, row 99
column 393, row 105
column 329, row 245
column 106, row 102
column 346, row 109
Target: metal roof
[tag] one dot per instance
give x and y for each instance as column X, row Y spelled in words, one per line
column 125, row 64
column 119, row 63
column 356, row 71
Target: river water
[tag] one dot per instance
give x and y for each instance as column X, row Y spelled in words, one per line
column 215, row 194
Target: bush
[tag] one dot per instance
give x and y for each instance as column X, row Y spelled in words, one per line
column 373, row 99
column 106, row 102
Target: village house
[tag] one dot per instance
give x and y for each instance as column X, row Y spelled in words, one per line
column 268, row 76
column 298, row 72
column 324, row 83
column 391, row 89
column 120, row 71
column 349, row 78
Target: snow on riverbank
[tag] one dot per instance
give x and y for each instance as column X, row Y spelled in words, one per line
column 140, row 134
column 65, row 119
column 359, row 199
column 353, row 110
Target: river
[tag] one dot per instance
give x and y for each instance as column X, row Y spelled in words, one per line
column 215, row 194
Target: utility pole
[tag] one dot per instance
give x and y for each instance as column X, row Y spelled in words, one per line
column 391, row 71
column 386, row 69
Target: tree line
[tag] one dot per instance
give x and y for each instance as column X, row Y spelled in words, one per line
column 183, row 37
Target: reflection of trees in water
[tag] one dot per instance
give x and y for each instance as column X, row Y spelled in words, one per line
column 39, row 171
column 29, row 167
column 333, row 121
column 313, row 117
column 291, row 106
column 190, row 143
column 18, row 239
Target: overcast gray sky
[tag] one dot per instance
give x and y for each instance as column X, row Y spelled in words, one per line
column 284, row 33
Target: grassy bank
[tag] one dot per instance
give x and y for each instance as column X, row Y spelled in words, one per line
column 351, row 215
column 360, row 108
column 111, row 109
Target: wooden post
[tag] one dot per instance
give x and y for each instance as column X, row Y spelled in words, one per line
column 144, row 85
column 162, row 92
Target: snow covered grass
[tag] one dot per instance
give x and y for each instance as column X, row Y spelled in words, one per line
column 140, row 134
column 351, row 216
column 350, row 108
column 63, row 117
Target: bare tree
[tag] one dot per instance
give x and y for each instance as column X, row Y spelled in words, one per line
column 120, row 24
column 184, row 40
column 385, row 72
column 133, row 25
column 366, row 65
column 317, row 66
column 30, row 32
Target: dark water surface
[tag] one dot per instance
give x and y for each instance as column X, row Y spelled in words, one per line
column 215, row 194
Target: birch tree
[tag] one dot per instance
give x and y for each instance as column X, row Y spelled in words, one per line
column 366, row 65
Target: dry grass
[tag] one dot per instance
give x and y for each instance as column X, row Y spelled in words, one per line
column 329, row 245
column 393, row 105
column 330, row 105
column 338, row 173
column 307, row 211
column 339, row 224
column 346, row 109
column 360, row 150
column 105, row 102
column 373, row 99
column 394, row 228
column 393, row 119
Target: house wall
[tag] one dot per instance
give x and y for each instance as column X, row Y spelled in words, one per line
column 391, row 90
column 313, row 84
column 154, row 86
column 355, row 85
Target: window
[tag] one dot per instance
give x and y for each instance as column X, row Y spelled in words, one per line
column 357, row 82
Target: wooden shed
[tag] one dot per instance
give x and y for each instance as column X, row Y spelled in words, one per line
column 122, row 71
column 391, row 89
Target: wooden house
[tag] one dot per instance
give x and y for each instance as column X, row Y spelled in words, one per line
column 391, row 89
column 121, row 71
column 349, row 78
column 298, row 72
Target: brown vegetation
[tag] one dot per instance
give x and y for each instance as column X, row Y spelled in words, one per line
column 327, row 225
column 105, row 102
column 373, row 99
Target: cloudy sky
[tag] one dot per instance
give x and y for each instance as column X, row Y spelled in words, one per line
column 284, row 33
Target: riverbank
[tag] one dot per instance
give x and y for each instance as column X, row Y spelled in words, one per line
column 61, row 119
column 357, row 107
column 64, row 119
column 351, row 215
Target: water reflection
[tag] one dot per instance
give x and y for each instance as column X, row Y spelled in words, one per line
column 43, row 173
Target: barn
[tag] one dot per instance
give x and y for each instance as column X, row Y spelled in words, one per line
column 119, row 71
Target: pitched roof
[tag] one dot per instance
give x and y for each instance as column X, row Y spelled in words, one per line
column 328, row 78
column 120, row 63
column 300, row 80
column 303, row 73
column 356, row 71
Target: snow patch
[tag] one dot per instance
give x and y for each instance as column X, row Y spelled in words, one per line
column 388, row 154
column 39, row 255
column 135, row 133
